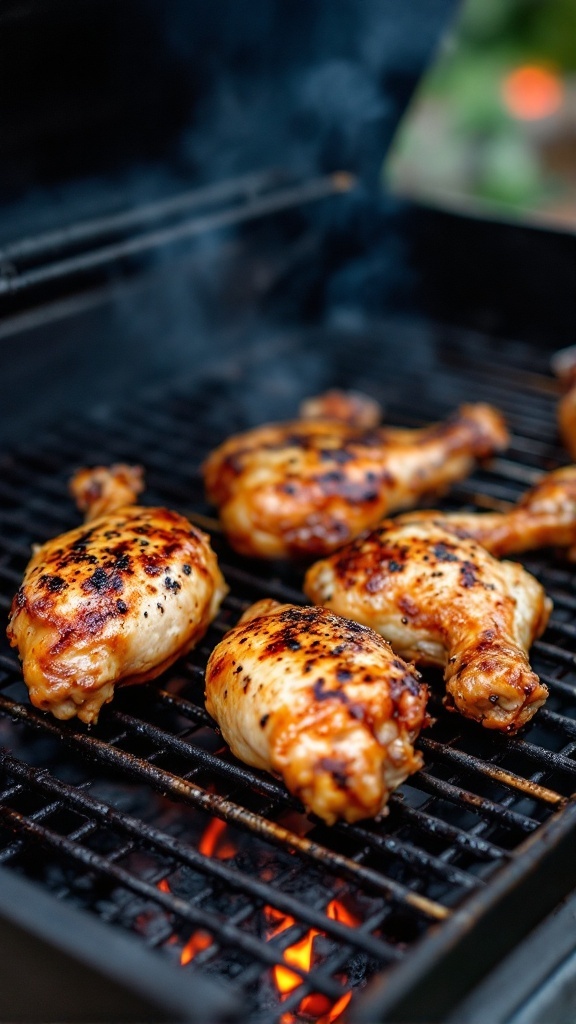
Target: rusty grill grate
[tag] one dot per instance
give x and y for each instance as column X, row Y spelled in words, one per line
column 128, row 814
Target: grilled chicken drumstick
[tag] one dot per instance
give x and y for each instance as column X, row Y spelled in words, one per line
column 544, row 517
column 321, row 701
column 114, row 601
column 444, row 600
column 308, row 486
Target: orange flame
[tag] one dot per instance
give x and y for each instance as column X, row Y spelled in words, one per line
column 315, row 1009
column 301, row 955
column 532, row 92
column 196, row 943
column 213, row 843
column 336, row 911
column 283, row 921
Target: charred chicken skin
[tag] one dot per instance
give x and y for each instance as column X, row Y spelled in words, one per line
column 320, row 701
column 444, row 600
column 307, row 487
column 544, row 517
column 114, row 601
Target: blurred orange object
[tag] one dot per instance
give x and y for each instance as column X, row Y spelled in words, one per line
column 532, row 92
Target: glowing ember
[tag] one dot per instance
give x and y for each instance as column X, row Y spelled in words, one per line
column 313, row 1011
column 337, row 1009
column 196, row 943
column 532, row 92
column 213, row 842
column 301, row 954
column 336, row 911
column 282, row 921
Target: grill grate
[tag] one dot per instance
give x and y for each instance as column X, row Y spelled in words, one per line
column 122, row 811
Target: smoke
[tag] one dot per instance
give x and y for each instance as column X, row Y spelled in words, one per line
column 313, row 86
column 308, row 87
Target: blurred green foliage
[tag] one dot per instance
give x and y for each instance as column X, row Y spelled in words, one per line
column 459, row 136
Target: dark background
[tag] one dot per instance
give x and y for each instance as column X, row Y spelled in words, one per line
column 105, row 104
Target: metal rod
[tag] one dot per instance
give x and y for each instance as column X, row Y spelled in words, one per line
column 541, row 755
column 196, row 916
column 494, row 772
column 181, row 789
column 91, row 230
column 474, row 802
column 283, row 199
column 557, row 653
column 559, row 722
column 433, row 826
column 185, row 854
column 418, row 859
column 410, row 854
column 560, row 686
column 237, row 773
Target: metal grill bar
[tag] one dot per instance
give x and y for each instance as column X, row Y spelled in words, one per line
column 458, row 795
column 226, row 932
column 183, row 789
column 406, row 851
column 435, row 826
column 444, row 840
column 244, row 187
column 261, row 206
column 410, row 854
column 554, row 652
column 470, row 763
column 559, row 686
column 186, row 854
column 560, row 722
column 542, row 756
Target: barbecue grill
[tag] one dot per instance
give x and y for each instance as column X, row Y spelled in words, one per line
column 145, row 873
column 147, row 823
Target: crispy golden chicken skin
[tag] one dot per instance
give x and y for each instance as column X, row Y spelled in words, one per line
column 321, row 701
column 114, row 601
column 306, row 487
column 443, row 600
column 544, row 517
column 102, row 489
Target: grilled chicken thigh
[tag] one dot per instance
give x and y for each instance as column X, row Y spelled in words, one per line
column 544, row 517
column 114, row 601
column 321, row 701
column 444, row 600
column 308, row 486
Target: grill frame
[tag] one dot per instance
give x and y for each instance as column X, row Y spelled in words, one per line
column 407, row 991
column 107, row 975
